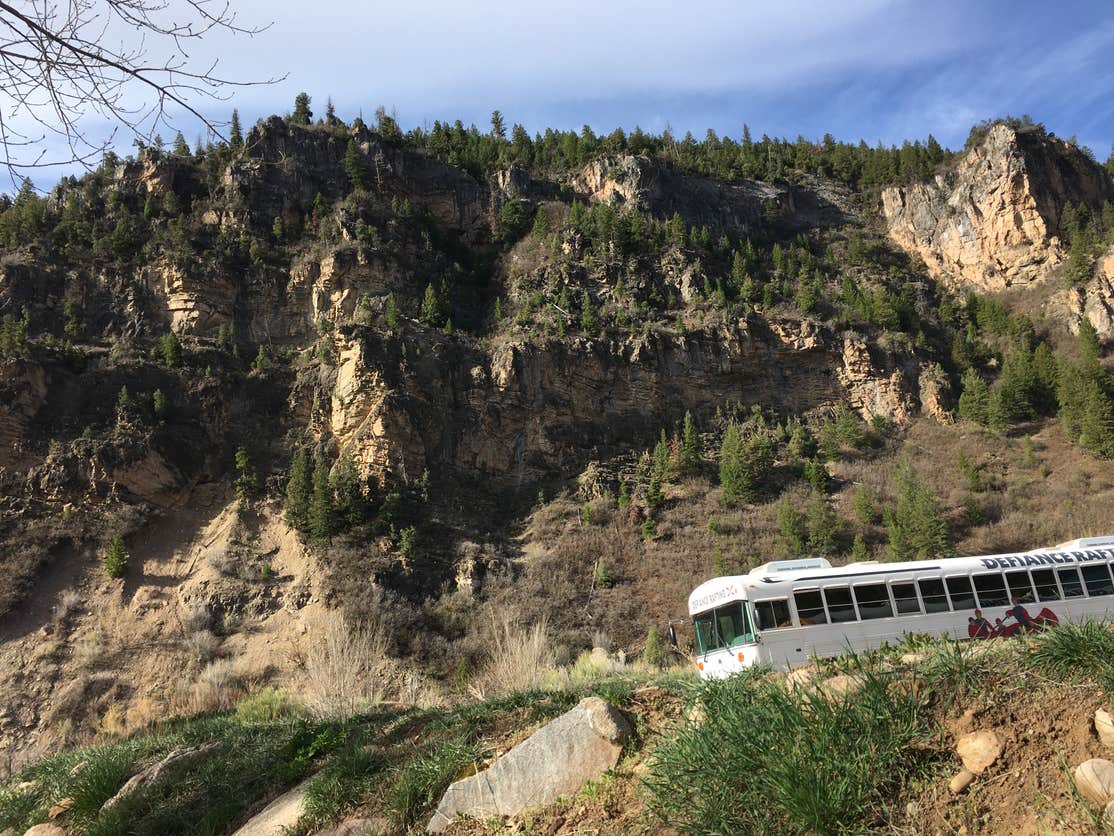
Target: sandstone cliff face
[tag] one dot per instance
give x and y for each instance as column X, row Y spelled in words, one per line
column 993, row 222
column 1093, row 301
column 527, row 409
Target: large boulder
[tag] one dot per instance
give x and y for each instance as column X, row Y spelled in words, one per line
column 1095, row 781
column 555, row 760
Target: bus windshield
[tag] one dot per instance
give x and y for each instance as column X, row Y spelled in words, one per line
column 726, row 626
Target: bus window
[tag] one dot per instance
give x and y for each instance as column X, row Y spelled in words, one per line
column 1020, row 587
column 873, row 600
column 992, row 590
column 840, row 608
column 772, row 614
column 733, row 625
column 1069, row 582
column 1097, row 579
column 959, row 590
column 905, row 597
column 704, row 626
column 1045, row 582
column 810, row 607
column 932, row 593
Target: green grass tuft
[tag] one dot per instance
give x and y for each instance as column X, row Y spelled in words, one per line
column 420, row 784
column 769, row 760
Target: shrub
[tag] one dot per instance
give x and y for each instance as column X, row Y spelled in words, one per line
column 655, row 653
column 116, row 558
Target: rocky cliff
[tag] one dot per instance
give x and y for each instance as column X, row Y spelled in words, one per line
column 993, row 221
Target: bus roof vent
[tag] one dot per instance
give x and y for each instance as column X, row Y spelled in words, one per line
column 775, row 566
column 1082, row 543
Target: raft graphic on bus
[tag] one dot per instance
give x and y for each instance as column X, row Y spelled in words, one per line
column 978, row 627
column 785, row 613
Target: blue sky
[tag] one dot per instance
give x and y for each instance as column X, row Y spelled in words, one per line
column 860, row 69
column 873, row 69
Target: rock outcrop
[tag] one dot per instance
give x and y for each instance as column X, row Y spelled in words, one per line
column 743, row 207
column 993, row 221
column 526, row 408
column 555, row 760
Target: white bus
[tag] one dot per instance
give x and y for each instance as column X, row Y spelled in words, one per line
column 784, row 613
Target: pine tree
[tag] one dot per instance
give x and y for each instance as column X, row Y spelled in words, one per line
column 158, row 404
column 355, row 167
column 391, row 313
column 589, row 322
column 825, row 528
column 859, row 550
column 498, row 126
column 116, row 558
column 816, row 474
column 1096, row 429
column 246, row 479
column 916, row 528
column 732, row 477
column 690, row 445
column 235, row 133
column 170, row 348
column 431, row 313
column 743, row 465
column 792, row 529
column 655, row 654
column 302, row 114
column 974, row 402
column 181, row 147
column 321, row 522
column 299, row 491
column 541, row 223
column 350, row 502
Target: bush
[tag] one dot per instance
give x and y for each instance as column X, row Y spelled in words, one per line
column 771, row 760
column 116, row 558
column 655, row 653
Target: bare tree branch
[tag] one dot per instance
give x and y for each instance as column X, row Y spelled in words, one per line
column 58, row 70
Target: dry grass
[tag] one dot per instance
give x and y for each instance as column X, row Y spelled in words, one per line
column 218, row 687
column 202, row 646
column 343, row 669
column 520, row 658
column 70, row 602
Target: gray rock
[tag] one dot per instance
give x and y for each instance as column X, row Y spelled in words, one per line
column 555, row 760
column 176, row 760
column 278, row 816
